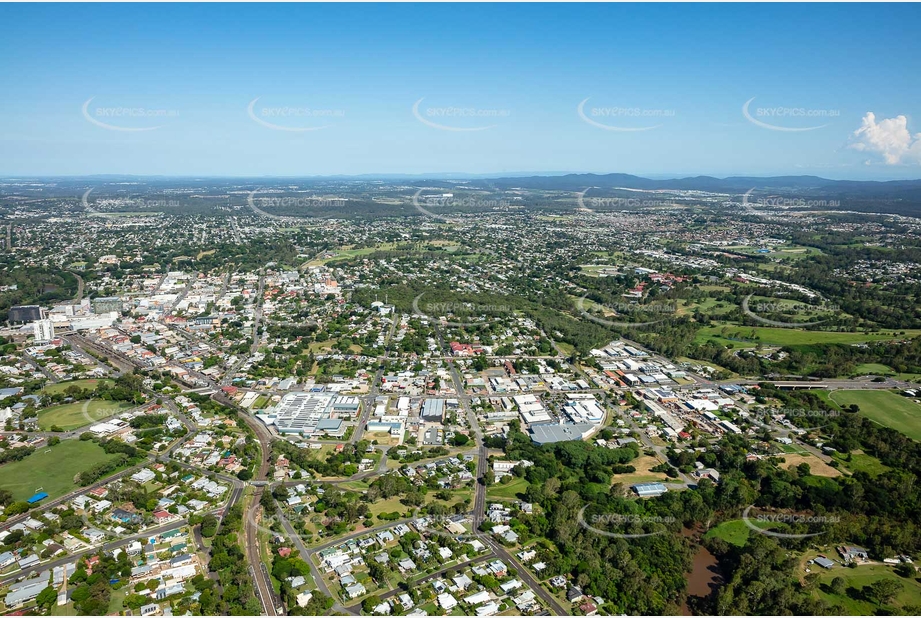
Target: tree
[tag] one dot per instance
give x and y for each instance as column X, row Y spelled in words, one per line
column 459, row 439
column 885, row 590
column 17, row 508
column 838, row 585
column 378, row 571
column 47, row 597
column 209, row 526
column 370, row 603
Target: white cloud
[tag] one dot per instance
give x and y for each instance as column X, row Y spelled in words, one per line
column 889, row 138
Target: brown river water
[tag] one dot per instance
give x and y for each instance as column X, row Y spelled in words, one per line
column 704, row 577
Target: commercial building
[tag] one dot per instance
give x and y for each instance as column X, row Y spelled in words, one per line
column 43, row 330
column 531, row 409
column 301, row 413
column 105, row 304
column 433, row 410
column 549, row 432
column 20, row 314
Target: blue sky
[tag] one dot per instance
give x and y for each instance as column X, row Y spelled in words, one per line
column 501, row 87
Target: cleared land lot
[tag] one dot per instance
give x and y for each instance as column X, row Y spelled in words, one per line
column 816, row 465
column 73, row 415
column 643, row 474
column 52, row 468
column 886, row 408
column 860, row 461
column 60, row 387
column 508, row 491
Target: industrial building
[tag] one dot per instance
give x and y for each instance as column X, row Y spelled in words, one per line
column 649, row 490
column 549, row 432
column 433, row 410
column 20, row 314
column 302, row 413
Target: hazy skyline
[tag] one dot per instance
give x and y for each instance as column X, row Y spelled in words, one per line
column 304, row 90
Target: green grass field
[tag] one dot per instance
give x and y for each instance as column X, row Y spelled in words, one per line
column 886, row 408
column 750, row 336
column 509, row 491
column 735, row 532
column 865, row 575
column 72, row 415
column 53, row 469
column 707, row 306
column 861, row 462
column 60, row 387
column 873, row 369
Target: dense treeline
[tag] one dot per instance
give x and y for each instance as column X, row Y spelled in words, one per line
column 343, row 463
column 570, row 482
column 35, row 285
column 237, row 596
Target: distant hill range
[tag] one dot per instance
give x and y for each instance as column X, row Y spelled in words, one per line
column 732, row 184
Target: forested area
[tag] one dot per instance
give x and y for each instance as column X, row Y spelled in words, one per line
column 34, row 285
column 570, row 481
column 236, row 596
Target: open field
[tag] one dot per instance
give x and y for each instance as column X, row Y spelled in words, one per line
column 508, row 491
column 873, row 369
column 816, row 465
column 708, row 306
column 643, row 473
column 856, row 579
column 43, row 469
column 751, row 336
column 886, row 408
column 79, row 413
column 735, row 532
column 344, row 253
column 861, row 462
column 60, row 387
